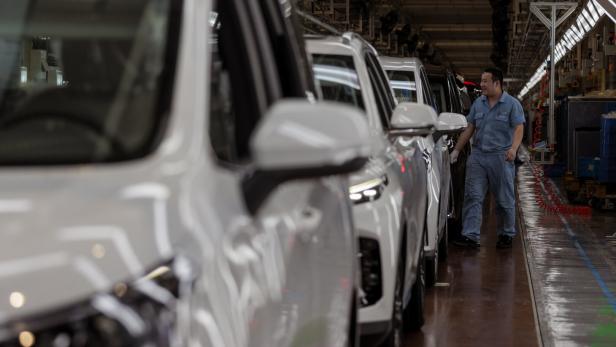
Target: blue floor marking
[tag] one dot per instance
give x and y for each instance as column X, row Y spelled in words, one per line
column 606, row 290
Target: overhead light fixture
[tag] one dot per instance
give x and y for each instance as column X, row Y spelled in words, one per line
column 593, row 10
column 586, row 20
column 567, row 40
column 583, row 24
column 571, row 37
column 588, row 17
column 578, row 30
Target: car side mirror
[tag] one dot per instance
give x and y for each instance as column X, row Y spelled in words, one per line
column 449, row 123
column 298, row 139
column 412, row 119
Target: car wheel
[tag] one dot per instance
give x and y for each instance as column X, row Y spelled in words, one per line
column 414, row 313
column 394, row 338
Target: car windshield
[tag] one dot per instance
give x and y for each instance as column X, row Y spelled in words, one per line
column 337, row 79
column 83, row 81
column 403, row 84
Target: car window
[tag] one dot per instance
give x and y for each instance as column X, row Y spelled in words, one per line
column 384, row 81
column 440, row 92
column 241, row 90
column 336, row 77
column 429, row 97
column 380, row 91
column 456, row 99
column 85, row 91
column 404, row 85
column 288, row 47
column 440, row 98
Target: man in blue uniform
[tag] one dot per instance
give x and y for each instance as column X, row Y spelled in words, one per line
column 496, row 120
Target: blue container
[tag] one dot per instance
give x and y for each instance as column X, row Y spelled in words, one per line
column 608, row 137
column 607, row 175
column 554, row 170
column 588, row 167
column 607, row 166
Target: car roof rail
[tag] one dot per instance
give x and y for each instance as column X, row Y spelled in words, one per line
column 350, row 35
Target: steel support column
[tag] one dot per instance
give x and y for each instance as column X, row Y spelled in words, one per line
column 552, row 24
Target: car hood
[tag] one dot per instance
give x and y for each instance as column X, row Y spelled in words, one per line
column 67, row 236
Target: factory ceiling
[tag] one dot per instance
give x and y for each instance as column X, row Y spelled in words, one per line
column 467, row 35
column 460, row 29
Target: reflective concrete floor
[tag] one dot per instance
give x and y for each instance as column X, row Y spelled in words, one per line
column 482, row 299
column 567, row 297
column 572, row 264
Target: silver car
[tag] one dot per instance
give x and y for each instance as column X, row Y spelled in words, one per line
column 410, row 84
column 167, row 181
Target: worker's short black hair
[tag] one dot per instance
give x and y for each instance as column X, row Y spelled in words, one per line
column 497, row 74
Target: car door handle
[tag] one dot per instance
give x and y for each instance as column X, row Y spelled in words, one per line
column 307, row 221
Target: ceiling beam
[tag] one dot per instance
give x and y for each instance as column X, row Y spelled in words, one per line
column 440, row 27
column 436, row 36
column 477, row 64
column 465, row 44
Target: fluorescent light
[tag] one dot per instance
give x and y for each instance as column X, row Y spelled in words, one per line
column 593, row 10
column 23, row 74
column 570, row 36
column 578, row 33
column 589, row 18
column 583, row 22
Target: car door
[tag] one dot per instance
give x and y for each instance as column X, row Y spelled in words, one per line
column 291, row 260
column 412, row 166
column 440, row 160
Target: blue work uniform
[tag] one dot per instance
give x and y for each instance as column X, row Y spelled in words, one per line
column 487, row 165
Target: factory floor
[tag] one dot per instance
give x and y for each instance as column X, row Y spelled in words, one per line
column 555, row 287
column 482, row 298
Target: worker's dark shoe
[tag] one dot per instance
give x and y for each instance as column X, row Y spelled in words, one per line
column 504, row 241
column 464, row 241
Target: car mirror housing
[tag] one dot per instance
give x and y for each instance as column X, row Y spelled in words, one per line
column 298, row 139
column 451, row 122
column 412, row 119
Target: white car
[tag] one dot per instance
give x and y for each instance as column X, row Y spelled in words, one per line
column 389, row 193
column 166, row 181
column 410, row 84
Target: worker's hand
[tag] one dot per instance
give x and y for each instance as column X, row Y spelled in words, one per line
column 511, row 153
column 453, row 156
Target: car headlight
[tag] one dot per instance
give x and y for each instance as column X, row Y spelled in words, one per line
column 368, row 191
column 141, row 313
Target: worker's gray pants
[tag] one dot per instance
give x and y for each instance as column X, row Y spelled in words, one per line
column 483, row 171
